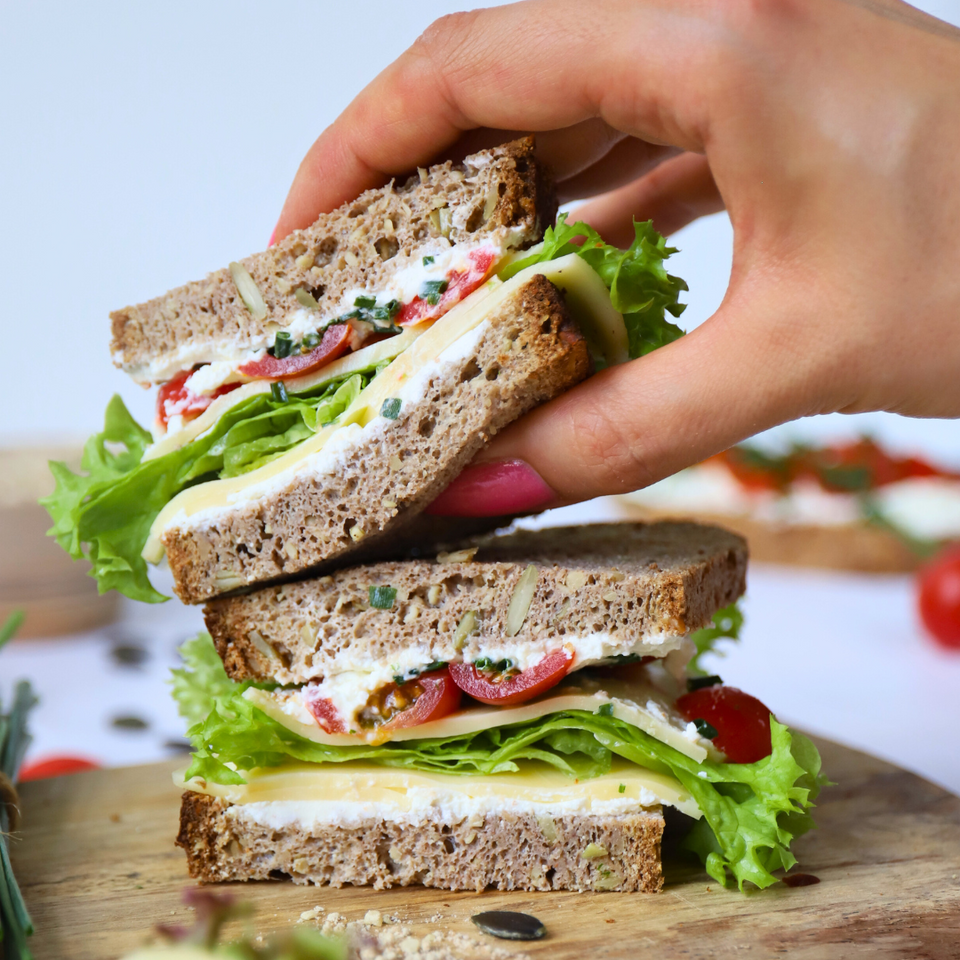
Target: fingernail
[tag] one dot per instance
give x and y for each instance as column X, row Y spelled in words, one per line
column 493, row 490
column 273, row 236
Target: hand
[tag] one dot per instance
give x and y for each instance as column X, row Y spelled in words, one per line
column 830, row 132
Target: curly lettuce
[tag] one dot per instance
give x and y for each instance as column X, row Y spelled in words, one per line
column 727, row 624
column 105, row 512
column 640, row 287
column 752, row 811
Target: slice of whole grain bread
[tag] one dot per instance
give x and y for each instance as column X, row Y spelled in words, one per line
column 628, row 580
column 525, row 352
column 501, row 195
column 506, row 851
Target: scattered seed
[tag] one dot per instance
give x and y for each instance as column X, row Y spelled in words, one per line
column 129, row 654
column 508, row 925
column 130, row 722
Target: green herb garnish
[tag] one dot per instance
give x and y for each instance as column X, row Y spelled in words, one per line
column 428, row 260
column 432, row 290
column 279, row 392
column 15, row 923
column 698, row 683
column 365, row 302
column 382, row 597
column 390, row 408
column 606, row 710
column 283, row 345
column 310, row 341
column 704, row 728
column 622, row 788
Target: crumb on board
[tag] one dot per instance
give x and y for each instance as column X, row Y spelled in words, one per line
column 380, row 937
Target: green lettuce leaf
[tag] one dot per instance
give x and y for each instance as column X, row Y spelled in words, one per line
column 197, row 684
column 106, row 511
column 752, row 811
column 727, row 623
column 640, row 288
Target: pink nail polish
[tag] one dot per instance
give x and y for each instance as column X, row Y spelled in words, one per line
column 493, row 490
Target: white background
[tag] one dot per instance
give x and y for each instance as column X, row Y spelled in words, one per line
column 145, row 145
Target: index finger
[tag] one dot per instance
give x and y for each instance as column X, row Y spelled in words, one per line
column 533, row 66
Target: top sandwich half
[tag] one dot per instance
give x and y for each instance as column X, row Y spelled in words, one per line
column 315, row 398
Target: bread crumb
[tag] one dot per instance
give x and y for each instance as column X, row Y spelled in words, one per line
column 312, row 914
column 373, row 918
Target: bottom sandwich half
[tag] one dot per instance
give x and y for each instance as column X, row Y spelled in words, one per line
column 388, row 828
column 515, row 714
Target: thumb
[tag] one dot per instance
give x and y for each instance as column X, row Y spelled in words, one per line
column 634, row 424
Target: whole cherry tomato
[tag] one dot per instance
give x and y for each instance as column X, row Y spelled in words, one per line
column 504, row 689
column 58, row 766
column 938, row 598
column 742, row 722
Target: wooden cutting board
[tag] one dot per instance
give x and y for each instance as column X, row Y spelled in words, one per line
column 98, row 867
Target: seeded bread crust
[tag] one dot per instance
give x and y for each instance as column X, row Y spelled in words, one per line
column 627, row 579
column 529, row 351
column 502, row 194
column 859, row 547
column 503, row 852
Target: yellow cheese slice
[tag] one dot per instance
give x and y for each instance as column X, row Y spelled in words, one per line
column 638, row 703
column 390, row 787
column 570, row 273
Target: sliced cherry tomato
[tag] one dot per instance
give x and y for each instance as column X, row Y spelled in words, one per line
column 326, row 714
column 59, row 766
column 175, row 398
column 502, row 690
column 460, row 284
column 336, row 339
column 742, row 722
column 938, row 598
column 427, row 697
column 752, row 469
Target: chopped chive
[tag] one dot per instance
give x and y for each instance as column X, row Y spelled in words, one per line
column 435, row 665
column 484, row 663
column 698, row 683
column 279, row 392
column 310, row 341
column 392, row 307
column 704, row 728
column 282, row 345
column 398, row 679
column 504, row 665
column 606, row 710
column 431, row 291
column 365, row 302
column 428, row 260
column 622, row 788
column 391, row 408
column 382, row 597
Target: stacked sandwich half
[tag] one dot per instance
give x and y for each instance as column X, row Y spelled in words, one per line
column 505, row 710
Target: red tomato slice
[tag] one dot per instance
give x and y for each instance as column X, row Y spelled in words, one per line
column 460, row 284
column 326, row 715
column 938, row 598
column 335, row 341
column 175, row 398
column 742, row 722
column 55, row 767
column 431, row 695
column 507, row 690
column 427, row 697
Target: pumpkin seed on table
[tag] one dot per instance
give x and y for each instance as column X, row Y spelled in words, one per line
column 508, row 925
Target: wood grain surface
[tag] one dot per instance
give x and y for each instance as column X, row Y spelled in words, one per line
column 98, row 867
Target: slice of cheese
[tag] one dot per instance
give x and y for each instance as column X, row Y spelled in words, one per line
column 570, row 273
column 393, row 789
column 638, row 703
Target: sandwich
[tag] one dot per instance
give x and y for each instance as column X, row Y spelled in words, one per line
column 313, row 399
column 514, row 713
column 850, row 506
